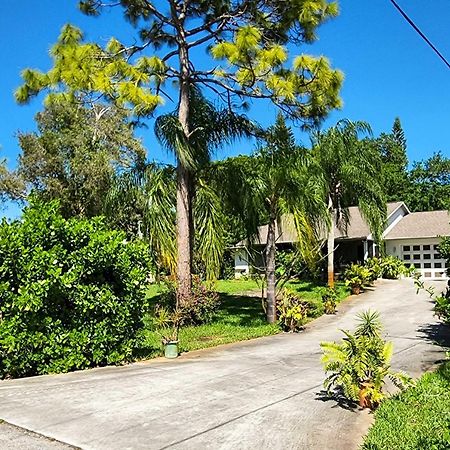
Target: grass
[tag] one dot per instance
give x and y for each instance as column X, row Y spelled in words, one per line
column 418, row 418
column 239, row 318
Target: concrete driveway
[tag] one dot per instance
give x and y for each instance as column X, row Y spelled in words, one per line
column 261, row 394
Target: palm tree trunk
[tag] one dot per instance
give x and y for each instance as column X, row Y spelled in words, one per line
column 184, row 194
column 330, row 252
column 270, row 272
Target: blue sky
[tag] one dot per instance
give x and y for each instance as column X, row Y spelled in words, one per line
column 389, row 70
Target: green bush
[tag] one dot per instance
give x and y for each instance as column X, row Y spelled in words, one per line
column 72, row 293
column 418, row 418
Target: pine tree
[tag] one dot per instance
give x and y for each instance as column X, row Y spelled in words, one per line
column 246, row 41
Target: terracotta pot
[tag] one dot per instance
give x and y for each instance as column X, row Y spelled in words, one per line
column 356, row 290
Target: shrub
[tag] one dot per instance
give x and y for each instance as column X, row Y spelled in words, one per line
column 292, row 310
column 392, row 268
column 442, row 306
column 329, row 299
column 360, row 363
column 200, row 309
column 72, row 293
column 357, row 276
column 374, row 267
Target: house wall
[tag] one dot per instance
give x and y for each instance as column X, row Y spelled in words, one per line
column 422, row 254
column 395, row 218
column 241, row 265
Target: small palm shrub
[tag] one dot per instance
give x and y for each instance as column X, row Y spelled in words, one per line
column 356, row 277
column 329, row 299
column 292, row 310
column 359, row 365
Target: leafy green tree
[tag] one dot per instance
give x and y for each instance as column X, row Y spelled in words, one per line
column 429, row 187
column 74, row 156
column 392, row 148
column 350, row 169
column 247, row 44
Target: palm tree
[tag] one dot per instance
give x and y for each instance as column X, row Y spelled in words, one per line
column 276, row 186
column 155, row 185
column 350, row 170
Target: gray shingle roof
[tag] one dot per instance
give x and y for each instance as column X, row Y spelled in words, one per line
column 358, row 228
column 421, row 225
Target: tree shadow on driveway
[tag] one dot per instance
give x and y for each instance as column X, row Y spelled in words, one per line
column 339, row 400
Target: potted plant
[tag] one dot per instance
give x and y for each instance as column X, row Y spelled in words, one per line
column 167, row 325
column 329, row 298
column 356, row 277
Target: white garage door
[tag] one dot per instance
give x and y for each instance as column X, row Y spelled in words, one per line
column 425, row 258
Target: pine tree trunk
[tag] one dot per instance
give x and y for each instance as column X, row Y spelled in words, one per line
column 270, row 273
column 330, row 251
column 184, row 194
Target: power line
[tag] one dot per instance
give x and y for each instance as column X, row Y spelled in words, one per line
column 422, row 35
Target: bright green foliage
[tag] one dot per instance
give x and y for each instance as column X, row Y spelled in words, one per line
column 74, row 156
column 429, row 188
column 292, row 310
column 88, row 68
column 357, row 276
column 359, row 365
column 416, row 419
column 72, row 293
column 250, row 36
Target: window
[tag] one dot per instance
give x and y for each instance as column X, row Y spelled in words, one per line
column 416, row 256
column 407, row 257
column 407, row 265
column 437, row 265
column 426, row 256
column 436, row 246
column 427, row 274
column 406, row 248
column 417, row 265
column 427, row 247
column 416, row 248
column 427, row 266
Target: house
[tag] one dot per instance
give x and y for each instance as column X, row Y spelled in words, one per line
column 412, row 237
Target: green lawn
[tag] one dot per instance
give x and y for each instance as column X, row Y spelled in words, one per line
column 419, row 418
column 240, row 317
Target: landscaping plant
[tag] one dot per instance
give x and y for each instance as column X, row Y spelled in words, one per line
column 292, row 310
column 356, row 277
column 392, row 268
column 359, row 365
column 329, row 299
column 72, row 293
column 374, row 267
